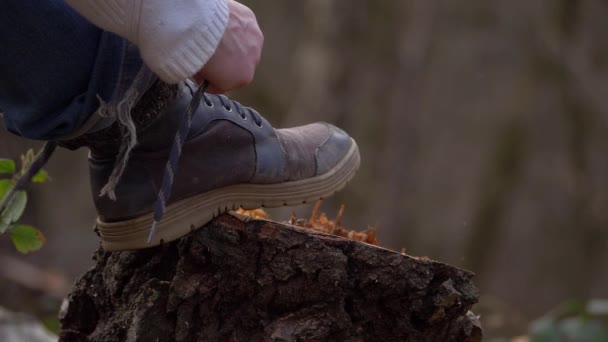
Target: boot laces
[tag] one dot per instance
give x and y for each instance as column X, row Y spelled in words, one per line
column 180, row 138
column 230, row 105
column 176, row 151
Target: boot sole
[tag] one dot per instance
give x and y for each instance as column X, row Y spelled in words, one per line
column 189, row 214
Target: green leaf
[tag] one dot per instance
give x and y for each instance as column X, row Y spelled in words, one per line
column 5, row 184
column 27, row 238
column 14, row 209
column 51, row 322
column 572, row 307
column 40, row 177
column 7, row 166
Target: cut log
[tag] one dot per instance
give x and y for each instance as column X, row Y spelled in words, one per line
column 256, row 280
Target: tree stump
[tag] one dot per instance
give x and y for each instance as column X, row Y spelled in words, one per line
column 256, row 280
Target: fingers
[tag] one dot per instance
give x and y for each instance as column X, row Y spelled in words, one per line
column 236, row 58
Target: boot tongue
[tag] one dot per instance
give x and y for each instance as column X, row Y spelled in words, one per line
column 150, row 108
column 157, row 117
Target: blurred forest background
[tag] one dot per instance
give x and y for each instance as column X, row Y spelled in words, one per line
column 483, row 129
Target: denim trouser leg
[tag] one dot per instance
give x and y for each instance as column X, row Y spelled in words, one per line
column 54, row 68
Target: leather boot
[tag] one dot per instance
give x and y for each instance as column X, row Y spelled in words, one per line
column 232, row 158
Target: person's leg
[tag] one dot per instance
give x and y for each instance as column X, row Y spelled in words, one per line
column 53, row 66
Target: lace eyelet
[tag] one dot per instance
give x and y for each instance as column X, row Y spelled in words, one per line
column 244, row 117
column 209, row 104
column 260, row 125
column 228, row 109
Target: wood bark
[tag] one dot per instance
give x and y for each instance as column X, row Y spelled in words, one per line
column 252, row 280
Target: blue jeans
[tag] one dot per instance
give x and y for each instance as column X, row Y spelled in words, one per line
column 56, row 69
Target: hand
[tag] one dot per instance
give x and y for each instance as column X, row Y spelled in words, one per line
column 234, row 62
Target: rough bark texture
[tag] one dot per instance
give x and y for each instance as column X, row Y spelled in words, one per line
column 251, row 280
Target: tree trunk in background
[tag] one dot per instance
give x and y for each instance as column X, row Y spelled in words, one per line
column 313, row 67
column 404, row 97
column 259, row 280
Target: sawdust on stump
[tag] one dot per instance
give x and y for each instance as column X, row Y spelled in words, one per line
column 319, row 222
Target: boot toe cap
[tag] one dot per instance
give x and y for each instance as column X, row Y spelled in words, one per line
column 333, row 149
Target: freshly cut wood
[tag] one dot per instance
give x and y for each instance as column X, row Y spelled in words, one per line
column 254, row 280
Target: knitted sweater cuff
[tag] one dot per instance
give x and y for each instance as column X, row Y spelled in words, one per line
column 175, row 38
column 175, row 61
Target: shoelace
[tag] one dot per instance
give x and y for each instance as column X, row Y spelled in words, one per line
column 176, row 151
column 241, row 110
column 180, row 138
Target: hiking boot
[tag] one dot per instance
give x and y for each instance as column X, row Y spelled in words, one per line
column 232, row 158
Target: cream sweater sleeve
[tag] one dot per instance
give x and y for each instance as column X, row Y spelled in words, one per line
column 176, row 38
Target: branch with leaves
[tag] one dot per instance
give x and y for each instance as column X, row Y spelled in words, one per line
column 13, row 201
